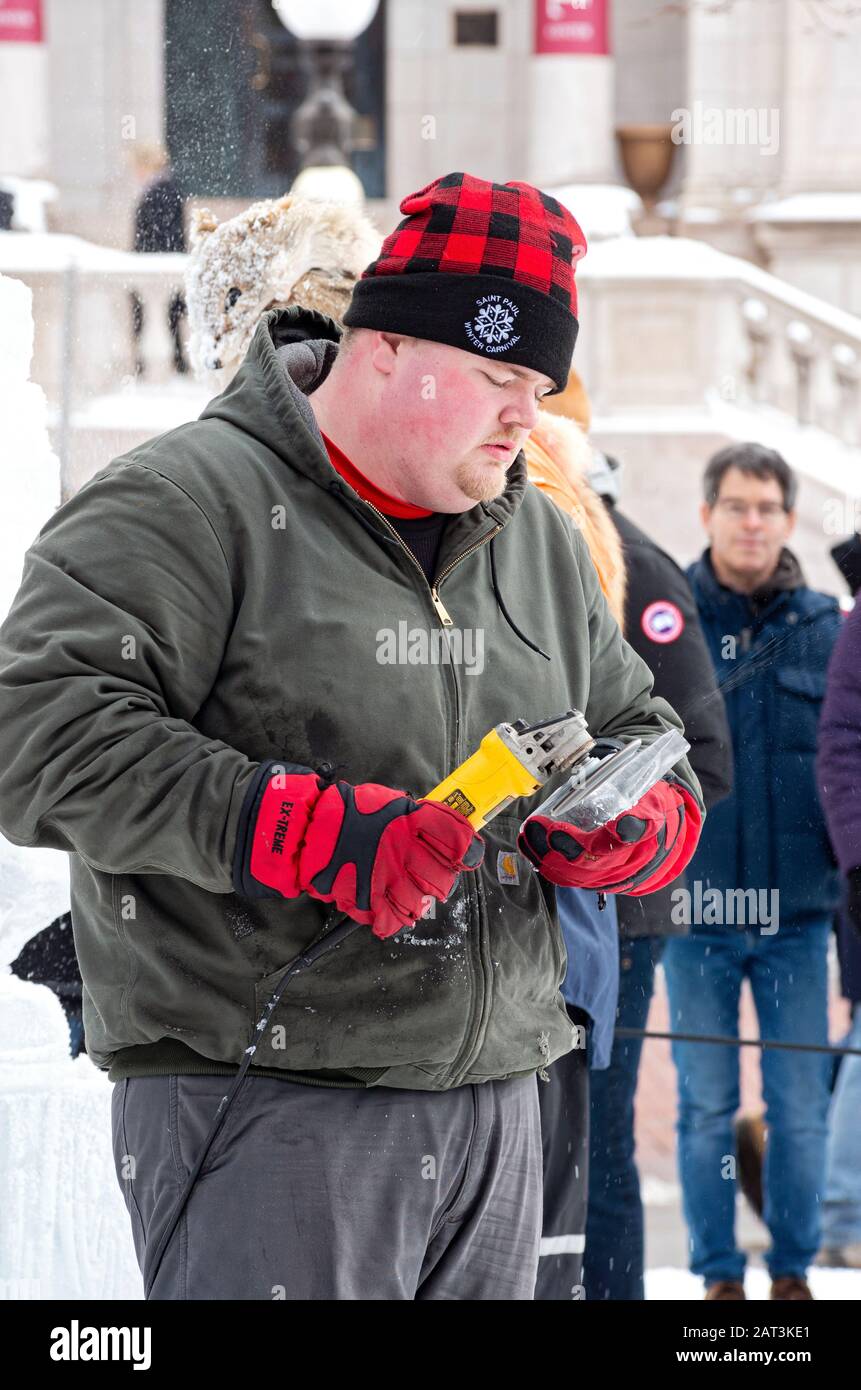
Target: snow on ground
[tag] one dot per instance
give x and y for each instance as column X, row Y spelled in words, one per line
column 64, row 1230
column 678, row 1285
column 655, row 1192
column 667, row 1243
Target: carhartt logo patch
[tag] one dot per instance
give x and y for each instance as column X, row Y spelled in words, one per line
column 663, row 621
column 507, row 867
column 492, row 329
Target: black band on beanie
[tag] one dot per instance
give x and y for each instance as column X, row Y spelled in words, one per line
column 493, row 316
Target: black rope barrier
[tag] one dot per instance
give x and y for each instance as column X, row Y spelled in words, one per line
column 740, row 1042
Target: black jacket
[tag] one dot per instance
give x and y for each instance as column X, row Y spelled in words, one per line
column 662, row 625
column 158, row 217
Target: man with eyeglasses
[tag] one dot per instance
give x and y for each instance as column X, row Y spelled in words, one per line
column 762, row 886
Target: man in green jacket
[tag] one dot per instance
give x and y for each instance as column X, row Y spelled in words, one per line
column 221, row 693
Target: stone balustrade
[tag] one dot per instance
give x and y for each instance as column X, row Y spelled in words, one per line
column 84, row 344
column 668, row 324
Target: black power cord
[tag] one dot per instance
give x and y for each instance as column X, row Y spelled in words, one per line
column 333, row 938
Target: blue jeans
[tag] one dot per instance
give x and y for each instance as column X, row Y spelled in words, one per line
column 613, row 1263
column 841, row 1215
column 788, row 977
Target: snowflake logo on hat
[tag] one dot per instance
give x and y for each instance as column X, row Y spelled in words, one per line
column 493, row 325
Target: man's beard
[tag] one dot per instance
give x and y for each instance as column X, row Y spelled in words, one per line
column 480, row 483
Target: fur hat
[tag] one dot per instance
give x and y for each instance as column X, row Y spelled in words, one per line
column 278, row 252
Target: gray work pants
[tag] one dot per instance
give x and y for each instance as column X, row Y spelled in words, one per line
column 320, row 1193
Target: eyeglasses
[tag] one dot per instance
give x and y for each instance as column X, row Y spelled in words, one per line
column 768, row 511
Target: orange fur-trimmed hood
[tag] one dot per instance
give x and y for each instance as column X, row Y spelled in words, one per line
column 558, row 455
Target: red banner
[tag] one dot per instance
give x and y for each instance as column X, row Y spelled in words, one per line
column 20, row 21
column 572, row 26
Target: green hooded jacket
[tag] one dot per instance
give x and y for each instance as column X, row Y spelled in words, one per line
column 219, row 597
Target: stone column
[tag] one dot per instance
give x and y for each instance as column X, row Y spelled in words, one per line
column 735, row 141
column 821, row 102
column 106, row 81
column 499, row 110
column 569, row 115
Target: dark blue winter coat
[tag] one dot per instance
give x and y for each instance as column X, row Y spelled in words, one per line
column 771, row 659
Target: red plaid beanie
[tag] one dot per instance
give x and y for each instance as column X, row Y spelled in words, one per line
column 487, row 267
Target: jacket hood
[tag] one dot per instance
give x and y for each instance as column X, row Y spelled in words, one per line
column 290, row 355
column 267, row 398
column 787, row 576
column 605, row 475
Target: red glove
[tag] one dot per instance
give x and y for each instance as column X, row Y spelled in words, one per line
column 374, row 852
column 643, row 849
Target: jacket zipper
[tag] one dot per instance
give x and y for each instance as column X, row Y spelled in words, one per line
column 442, row 612
column 456, row 561
column 475, row 1029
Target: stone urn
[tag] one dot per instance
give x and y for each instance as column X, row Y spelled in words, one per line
column 646, row 151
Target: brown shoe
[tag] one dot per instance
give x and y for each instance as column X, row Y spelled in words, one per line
column 724, row 1289
column 790, row 1286
column 750, row 1138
